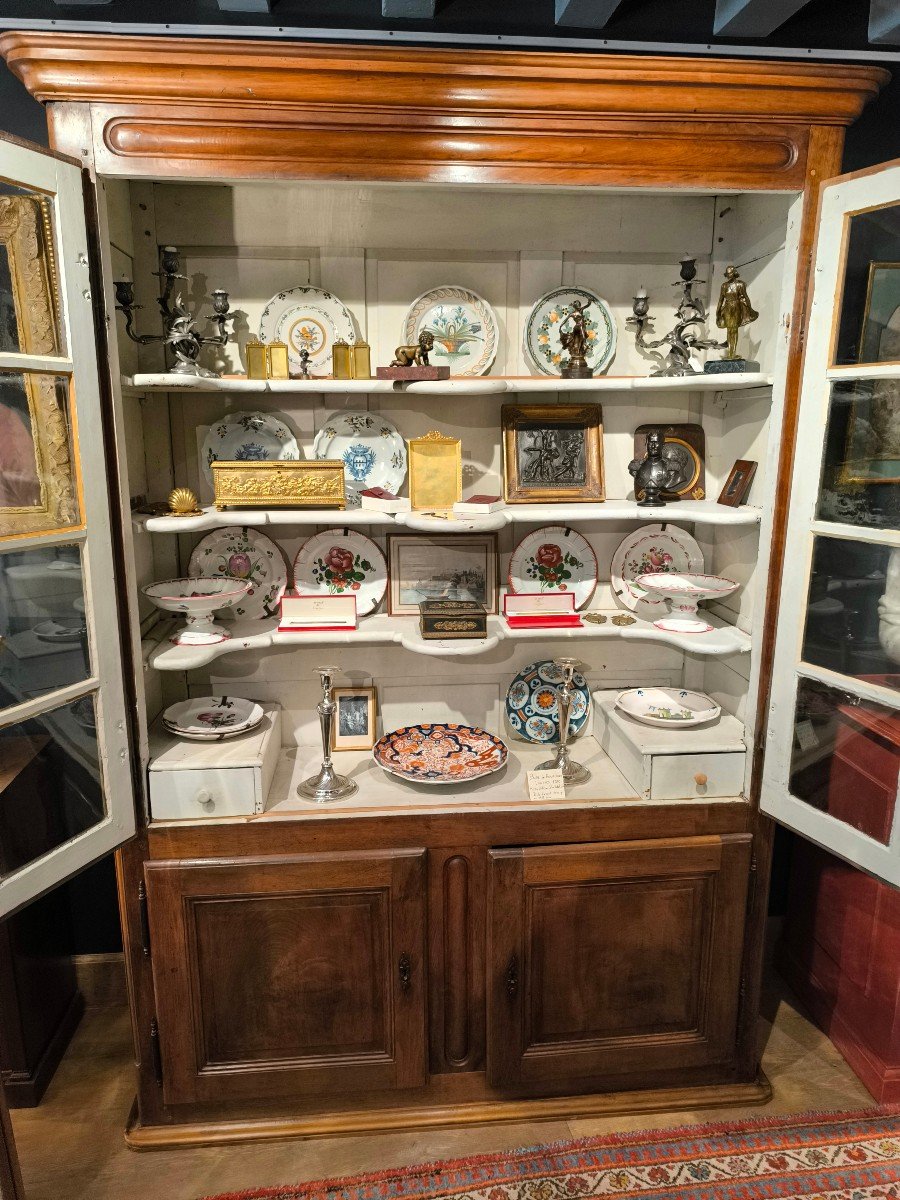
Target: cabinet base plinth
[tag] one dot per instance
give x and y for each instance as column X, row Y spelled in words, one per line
column 210, row 1133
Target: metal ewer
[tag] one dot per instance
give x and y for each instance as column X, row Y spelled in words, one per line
column 178, row 323
column 687, row 334
column 572, row 772
column 327, row 785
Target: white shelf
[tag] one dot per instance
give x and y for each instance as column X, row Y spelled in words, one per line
column 486, row 385
column 706, row 512
column 383, row 630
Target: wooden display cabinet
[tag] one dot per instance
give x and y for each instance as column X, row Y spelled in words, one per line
column 438, row 956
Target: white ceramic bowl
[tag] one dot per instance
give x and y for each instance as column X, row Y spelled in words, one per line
column 684, row 591
column 668, row 708
column 198, row 599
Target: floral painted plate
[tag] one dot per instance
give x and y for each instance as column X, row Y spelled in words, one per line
column 211, row 716
column 464, row 326
column 542, row 342
column 440, row 754
column 340, row 562
column 668, row 708
column 554, row 559
column 371, row 449
column 531, row 703
column 306, row 318
column 241, row 553
column 248, row 437
column 652, row 549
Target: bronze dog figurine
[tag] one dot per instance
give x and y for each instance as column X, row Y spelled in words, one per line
column 417, row 355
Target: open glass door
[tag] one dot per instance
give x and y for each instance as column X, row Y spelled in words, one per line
column 833, row 744
column 66, row 792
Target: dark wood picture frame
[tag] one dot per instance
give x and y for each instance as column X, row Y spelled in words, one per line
column 532, row 483
column 737, row 485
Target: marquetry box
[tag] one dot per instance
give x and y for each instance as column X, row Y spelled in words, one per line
column 444, row 619
column 282, row 484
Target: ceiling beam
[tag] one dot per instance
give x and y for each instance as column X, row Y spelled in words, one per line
column 884, row 23
column 408, row 10
column 753, row 18
column 245, row 6
column 80, row 3
column 585, row 14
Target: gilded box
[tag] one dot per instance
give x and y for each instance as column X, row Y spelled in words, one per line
column 443, row 619
column 286, row 483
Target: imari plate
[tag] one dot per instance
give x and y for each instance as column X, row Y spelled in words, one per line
column 242, row 553
column 543, row 347
column 652, row 549
column 668, row 708
column 554, row 559
column 248, row 437
column 371, row 449
column 531, row 708
column 440, row 754
column 340, row 562
column 463, row 326
column 307, row 318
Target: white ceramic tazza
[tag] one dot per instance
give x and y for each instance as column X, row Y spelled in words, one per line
column 685, row 591
column 668, row 708
column 197, row 599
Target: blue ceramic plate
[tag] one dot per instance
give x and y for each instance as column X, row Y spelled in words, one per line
column 531, row 703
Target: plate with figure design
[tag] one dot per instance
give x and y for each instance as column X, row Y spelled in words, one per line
column 237, row 552
column 543, row 346
column 371, row 449
column 342, row 562
column 652, row 549
column 531, row 709
column 440, row 754
column 248, row 437
column 554, row 559
column 307, row 318
column 464, row 327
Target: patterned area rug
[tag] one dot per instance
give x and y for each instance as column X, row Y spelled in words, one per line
column 814, row 1156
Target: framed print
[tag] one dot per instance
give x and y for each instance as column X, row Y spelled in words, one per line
column 879, row 339
column 435, row 471
column 737, row 485
column 441, row 567
column 552, row 452
column 354, row 721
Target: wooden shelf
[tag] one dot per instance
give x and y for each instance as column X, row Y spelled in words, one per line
column 705, row 512
column 383, row 630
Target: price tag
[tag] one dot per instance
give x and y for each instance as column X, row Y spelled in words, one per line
column 807, row 738
column 546, row 785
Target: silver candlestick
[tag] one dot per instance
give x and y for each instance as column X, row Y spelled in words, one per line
column 572, row 772
column 327, row 785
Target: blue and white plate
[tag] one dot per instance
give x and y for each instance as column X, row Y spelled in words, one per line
column 371, row 449
column 248, row 437
column 531, row 708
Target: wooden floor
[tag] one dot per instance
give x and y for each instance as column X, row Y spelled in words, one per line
column 72, row 1149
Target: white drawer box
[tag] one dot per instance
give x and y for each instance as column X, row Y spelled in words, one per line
column 672, row 764
column 190, row 780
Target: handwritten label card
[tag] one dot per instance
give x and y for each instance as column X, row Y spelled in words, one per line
column 546, row 785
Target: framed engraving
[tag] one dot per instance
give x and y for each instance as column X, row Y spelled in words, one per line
column 354, row 723
column 441, row 567
column 552, row 452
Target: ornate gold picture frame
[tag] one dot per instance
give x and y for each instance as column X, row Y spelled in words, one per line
column 37, row 487
column 552, row 452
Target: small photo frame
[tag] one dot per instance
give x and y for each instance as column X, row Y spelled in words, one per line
column 435, row 471
column 354, row 721
column 737, row 485
column 441, row 566
column 552, row 452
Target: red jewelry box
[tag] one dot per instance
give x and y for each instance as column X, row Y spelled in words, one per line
column 307, row 613
column 541, row 610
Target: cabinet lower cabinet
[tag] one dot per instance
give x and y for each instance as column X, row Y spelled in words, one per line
column 613, row 960
column 289, row 976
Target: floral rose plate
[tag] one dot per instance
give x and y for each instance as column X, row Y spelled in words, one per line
column 341, row 562
column 531, row 708
column 440, row 754
column 371, row 449
column 542, row 342
column 463, row 325
column 652, row 549
column 210, row 718
column 554, row 559
column 238, row 552
column 248, row 437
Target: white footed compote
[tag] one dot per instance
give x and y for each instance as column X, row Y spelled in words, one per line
column 327, row 784
column 572, row 772
column 197, row 600
column 684, row 592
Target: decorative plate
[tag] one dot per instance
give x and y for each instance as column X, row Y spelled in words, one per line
column 69, row 629
column 669, row 708
column 464, row 326
column 542, row 345
column 531, row 703
column 306, row 318
column 339, row 561
column 241, row 553
column 248, row 437
column 211, row 716
column 440, row 754
column 554, row 559
column 371, row 449
column 651, row 549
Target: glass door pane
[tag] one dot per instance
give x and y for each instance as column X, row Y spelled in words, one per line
column 65, row 772
column 832, row 762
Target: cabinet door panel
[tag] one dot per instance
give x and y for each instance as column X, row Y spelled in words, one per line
column 609, row 960
column 289, row 976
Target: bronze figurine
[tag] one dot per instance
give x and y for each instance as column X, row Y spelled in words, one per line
column 653, row 476
column 417, row 355
column 575, row 341
column 734, row 309
column 304, row 364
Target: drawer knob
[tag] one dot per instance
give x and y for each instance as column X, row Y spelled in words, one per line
column 700, row 779
column 204, row 798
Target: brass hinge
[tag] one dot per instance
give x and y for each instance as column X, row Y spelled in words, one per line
column 155, row 1053
column 145, row 919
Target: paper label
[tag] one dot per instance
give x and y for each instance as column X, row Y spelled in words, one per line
column 546, row 785
column 807, row 738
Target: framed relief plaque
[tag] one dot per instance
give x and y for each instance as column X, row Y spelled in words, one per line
column 552, row 452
